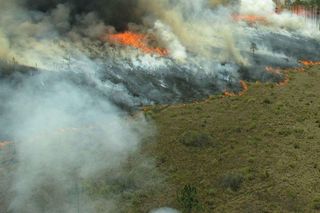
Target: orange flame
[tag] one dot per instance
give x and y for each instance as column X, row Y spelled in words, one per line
column 285, row 81
column 136, row 40
column 309, row 63
column 229, row 94
column 277, row 71
column 272, row 70
column 244, row 87
column 250, row 18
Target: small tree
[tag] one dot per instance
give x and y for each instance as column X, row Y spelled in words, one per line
column 188, row 200
column 253, row 47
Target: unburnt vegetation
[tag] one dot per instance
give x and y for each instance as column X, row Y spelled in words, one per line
column 253, row 153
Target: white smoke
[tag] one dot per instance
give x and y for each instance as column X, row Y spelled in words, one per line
column 175, row 48
column 64, row 136
column 66, row 129
column 165, row 210
column 284, row 20
column 257, row 7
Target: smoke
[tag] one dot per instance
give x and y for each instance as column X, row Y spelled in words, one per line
column 190, row 21
column 262, row 8
column 66, row 92
column 164, row 210
column 175, row 48
column 65, row 129
column 284, row 20
column 117, row 13
column 64, row 135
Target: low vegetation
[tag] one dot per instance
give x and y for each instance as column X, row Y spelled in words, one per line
column 253, row 153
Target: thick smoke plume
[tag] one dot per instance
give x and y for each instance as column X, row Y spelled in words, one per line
column 117, row 13
column 64, row 135
column 66, row 89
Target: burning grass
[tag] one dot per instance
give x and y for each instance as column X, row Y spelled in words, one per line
column 310, row 63
column 250, row 19
column 136, row 40
column 244, row 87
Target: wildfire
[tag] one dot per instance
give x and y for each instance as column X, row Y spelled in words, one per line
column 229, row 94
column 310, row 63
column 244, row 87
column 272, row 70
column 250, row 18
column 277, row 71
column 136, row 40
column 285, row 81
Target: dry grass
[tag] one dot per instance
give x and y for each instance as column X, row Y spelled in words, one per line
column 254, row 153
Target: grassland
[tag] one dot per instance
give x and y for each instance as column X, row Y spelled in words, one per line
column 259, row 152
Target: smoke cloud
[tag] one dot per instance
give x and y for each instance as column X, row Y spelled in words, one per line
column 64, row 136
column 165, row 210
column 64, row 129
column 117, row 13
column 189, row 20
column 66, row 90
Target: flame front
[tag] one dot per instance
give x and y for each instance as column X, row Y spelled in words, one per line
column 244, row 87
column 310, row 63
column 275, row 71
column 136, row 40
column 250, row 18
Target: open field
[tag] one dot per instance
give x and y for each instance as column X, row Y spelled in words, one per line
column 253, row 153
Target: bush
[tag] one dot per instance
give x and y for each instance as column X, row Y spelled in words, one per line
column 267, row 101
column 232, row 181
column 188, row 200
column 316, row 204
column 196, row 139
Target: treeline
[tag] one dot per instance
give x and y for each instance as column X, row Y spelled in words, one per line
column 310, row 3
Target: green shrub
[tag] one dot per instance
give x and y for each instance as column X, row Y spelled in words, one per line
column 267, row 101
column 316, row 204
column 188, row 200
column 196, row 139
column 232, row 181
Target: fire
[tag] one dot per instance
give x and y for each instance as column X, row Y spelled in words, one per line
column 272, row 70
column 229, row 94
column 278, row 71
column 136, row 40
column 244, row 87
column 250, row 18
column 275, row 71
column 285, row 81
column 310, row 63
